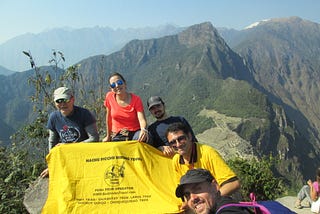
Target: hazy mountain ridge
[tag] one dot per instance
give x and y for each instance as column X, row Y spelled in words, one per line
column 74, row 43
column 5, row 71
column 194, row 71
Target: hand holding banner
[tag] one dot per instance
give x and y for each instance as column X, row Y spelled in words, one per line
column 113, row 177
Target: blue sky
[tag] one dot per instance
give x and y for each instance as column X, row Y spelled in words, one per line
column 34, row 16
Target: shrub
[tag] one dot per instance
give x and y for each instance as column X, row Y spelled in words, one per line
column 16, row 173
column 257, row 176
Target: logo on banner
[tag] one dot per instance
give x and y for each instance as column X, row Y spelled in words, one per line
column 114, row 174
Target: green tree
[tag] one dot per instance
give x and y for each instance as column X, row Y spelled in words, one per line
column 258, row 177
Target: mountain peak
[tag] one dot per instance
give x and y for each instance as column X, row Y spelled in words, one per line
column 198, row 34
column 293, row 19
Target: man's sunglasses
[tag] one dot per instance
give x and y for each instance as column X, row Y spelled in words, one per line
column 114, row 84
column 62, row 101
column 179, row 139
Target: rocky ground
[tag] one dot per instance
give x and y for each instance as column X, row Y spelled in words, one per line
column 288, row 201
column 36, row 195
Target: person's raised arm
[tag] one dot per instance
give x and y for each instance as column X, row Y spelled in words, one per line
column 228, row 188
column 313, row 192
column 143, row 127
column 108, row 127
column 53, row 139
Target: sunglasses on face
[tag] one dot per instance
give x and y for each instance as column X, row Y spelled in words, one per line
column 114, row 84
column 179, row 139
column 62, row 101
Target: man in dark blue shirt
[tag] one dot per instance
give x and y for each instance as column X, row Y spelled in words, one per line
column 69, row 123
column 157, row 129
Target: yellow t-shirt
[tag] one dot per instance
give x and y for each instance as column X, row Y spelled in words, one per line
column 207, row 158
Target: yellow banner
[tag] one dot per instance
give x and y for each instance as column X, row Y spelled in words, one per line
column 112, row 177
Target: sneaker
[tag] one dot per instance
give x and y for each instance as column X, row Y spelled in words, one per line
column 298, row 205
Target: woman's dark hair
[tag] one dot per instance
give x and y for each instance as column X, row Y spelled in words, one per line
column 117, row 74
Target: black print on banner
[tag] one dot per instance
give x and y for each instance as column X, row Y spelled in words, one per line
column 114, row 174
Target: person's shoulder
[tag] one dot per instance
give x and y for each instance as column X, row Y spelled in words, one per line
column 78, row 108
column 109, row 99
column 226, row 204
column 54, row 114
column 166, row 121
column 176, row 158
column 201, row 144
column 179, row 119
column 81, row 109
column 205, row 147
column 109, row 94
column 173, row 119
column 153, row 124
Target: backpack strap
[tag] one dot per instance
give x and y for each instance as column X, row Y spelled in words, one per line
column 258, row 208
column 253, row 205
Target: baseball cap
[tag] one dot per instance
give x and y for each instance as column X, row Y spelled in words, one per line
column 154, row 100
column 193, row 176
column 62, row 93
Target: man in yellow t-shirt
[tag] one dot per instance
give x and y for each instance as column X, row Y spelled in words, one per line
column 193, row 155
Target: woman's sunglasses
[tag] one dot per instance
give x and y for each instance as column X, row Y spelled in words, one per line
column 114, row 84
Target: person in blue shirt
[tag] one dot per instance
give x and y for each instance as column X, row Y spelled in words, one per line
column 158, row 128
column 69, row 123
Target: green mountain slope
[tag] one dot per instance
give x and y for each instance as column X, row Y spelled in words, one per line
column 284, row 54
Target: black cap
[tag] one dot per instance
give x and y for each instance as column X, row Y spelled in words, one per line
column 193, row 176
column 155, row 100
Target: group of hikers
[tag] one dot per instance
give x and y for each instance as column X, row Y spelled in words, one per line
column 205, row 181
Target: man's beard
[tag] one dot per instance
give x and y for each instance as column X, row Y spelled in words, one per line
column 160, row 116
